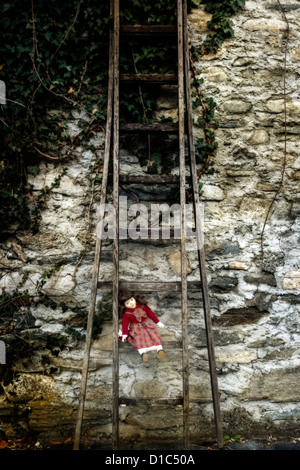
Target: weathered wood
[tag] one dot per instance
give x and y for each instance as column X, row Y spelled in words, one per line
column 95, row 273
column 200, row 241
column 181, row 115
column 168, row 345
column 141, row 286
column 137, row 128
column 115, row 377
column 160, row 78
column 151, row 401
column 149, row 179
column 148, row 30
column 153, row 242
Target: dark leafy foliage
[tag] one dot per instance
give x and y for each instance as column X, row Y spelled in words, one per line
column 220, row 25
column 54, row 60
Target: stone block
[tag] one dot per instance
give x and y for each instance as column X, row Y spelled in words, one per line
column 270, row 25
column 291, row 280
column 259, row 136
column 150, row 388
column 30, row 387
column 235, row 354
column 62, row 284
column 253, row 207
column 295, row 54
column 175, row 262
column 215, row 74
column 201, row 392
column 279, row 385
column 275, row 106
column 99, row 394
column 212, row 193
column 238, row 265
column 239, row 316
column 161, row 421
column 268, row 279
column 266, row 187
column 223, row 284
column 198, row 19
column 237, row 106
column 296, row 175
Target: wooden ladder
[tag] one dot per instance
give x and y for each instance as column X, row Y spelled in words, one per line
column 183, row 129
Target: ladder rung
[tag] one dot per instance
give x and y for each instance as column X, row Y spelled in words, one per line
column 148, row 29
column 150, row 401
column 149, row 179
column 160, row 78
column 160, row 241
column 150, row 286
column 168, row 345
column 136, row 128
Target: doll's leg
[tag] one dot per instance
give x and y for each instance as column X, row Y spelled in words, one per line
column 161, row 354
column 144, row 354
column 158, row 349
column 145, row 357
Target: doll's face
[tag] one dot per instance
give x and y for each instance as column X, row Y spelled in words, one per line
column 130, row 303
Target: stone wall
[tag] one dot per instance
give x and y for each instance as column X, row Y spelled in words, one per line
column 255, row 302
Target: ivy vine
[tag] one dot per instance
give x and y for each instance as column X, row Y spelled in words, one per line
column 54, row 61
column 220, row 26
column 21, row 346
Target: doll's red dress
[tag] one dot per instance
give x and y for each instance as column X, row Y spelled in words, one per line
column 139, row 328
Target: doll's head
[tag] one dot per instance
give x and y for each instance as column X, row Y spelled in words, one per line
column 130, row 303
column 130, row 300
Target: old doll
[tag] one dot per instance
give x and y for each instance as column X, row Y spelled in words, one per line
column 139, row 326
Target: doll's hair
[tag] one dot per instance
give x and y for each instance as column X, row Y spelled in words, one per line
column 125, row 295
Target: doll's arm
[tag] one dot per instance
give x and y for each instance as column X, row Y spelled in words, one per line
column 154, row 317
column 125, row 325
column 122, row 337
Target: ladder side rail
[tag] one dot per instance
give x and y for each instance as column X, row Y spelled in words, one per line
column 200, row 241
column 97, row 256
column 181, row 114
column 116, row 127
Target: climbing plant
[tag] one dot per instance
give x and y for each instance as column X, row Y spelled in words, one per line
column 54, row 61
column 17, row 304
column 220, row 26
